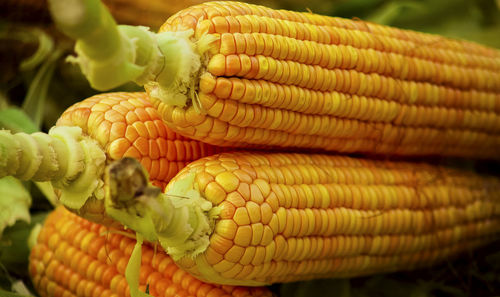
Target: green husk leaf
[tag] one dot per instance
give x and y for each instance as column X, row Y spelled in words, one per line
column 133, row 268
column 20, row 288
column 14, row 251
column 35, row 99
column 16, row 120
column 14, row 256
column 4, row 293
column 391, row 11
column 14, row 204
column 48, row 191
column 45, row 47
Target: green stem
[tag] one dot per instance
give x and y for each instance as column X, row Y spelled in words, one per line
column 167, row 63
column 72, row 162
column 45, row 48
column 89, row 22
column 107, row 55
column 180, row 220
column 132, row 272
column 36, row 98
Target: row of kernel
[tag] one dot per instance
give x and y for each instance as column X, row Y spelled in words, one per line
column 339, row 23
column 317, row 78
column 417, row 119
column 452, row 142
column 211, row 10
column 328, row 222
column 277, row 95
column 334, row 35
column 384, row 260
column 348, row 57
column 350, row 107
column 432, row 40
column 374, row 197
column 283, row 120
column 436, row 41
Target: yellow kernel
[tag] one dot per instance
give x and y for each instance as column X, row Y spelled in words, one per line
column 289, row 223
column 241, row 216
column 87, row 239
column 207, row 83
column 243, row 235
column 214, row 169
column 227, row 210
column 256, row 194
column 226, row 228
column 253, row 211
column 266, row 213
column 231, row 273
column 220, row 244
column 215, row 193
column 236, row 199
column 234, row 254
column 228, row 181
column 268, row 236
column 272, row 201
column 217, row 65
column 248, row 255
column 223, row 266
column 242, row 176
column 274, row 224
column 257, row 232
column 281, row 215
column 212, row 256
column 270, row 251
column 260, row 255
column 264, row 187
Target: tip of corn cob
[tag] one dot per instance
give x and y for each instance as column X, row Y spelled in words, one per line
column 181, row 220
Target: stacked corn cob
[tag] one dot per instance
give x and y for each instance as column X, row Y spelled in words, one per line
column 74, row 257
column 255, row 218
column 283, row 79
column 236, row 74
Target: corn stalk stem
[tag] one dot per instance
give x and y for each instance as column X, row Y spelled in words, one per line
column 110, row 55
column 72, row 162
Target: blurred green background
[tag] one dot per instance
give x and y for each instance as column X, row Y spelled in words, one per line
column 37, row 85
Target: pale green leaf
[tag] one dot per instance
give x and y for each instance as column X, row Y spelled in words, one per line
column 48, row 191
column 16, row 120
column 15, row 249
column 20, row 288
column 391, row 10
column 4, row 293
column 35, row 100
column 14, row 203
column 45, row 48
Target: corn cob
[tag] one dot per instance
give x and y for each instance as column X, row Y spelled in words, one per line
column 116, row 125
column 254, row 218
column 74, row 257
column 236, row 74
